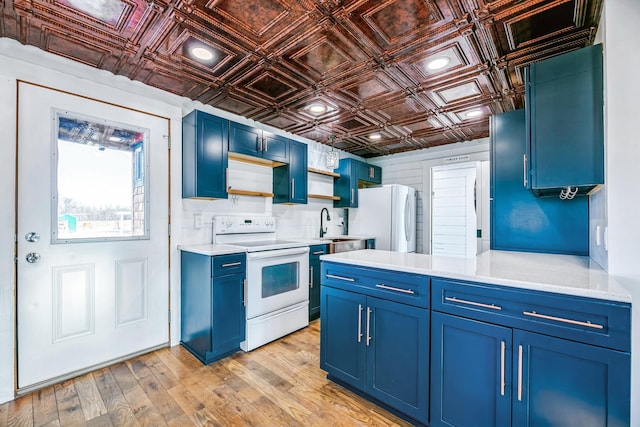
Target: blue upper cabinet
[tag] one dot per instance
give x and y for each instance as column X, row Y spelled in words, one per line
column 353, row 175
column 204, row 156
column 290, row 180
column 255, row 142
column 565, row 123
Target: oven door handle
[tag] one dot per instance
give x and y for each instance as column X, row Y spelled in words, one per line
column 277, row 253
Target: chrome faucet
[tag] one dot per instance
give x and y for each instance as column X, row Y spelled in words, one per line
column 323, row 230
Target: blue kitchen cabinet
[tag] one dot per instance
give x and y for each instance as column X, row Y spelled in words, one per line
column 511, row 357
column 519, row 220
column 377, row 346
column 212, row 304
column 565, row 122
column 315, row 251
column 470, row 366
column 255, row 142
column 558, row 382
column 204, row 156
column 354, row 174
column 290, row 180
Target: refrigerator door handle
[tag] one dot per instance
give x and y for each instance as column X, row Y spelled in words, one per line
column 407, row 218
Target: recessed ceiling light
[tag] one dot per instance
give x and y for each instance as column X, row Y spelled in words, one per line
column 114, row 138
column 375, row 136
column 473, row 113
column 438, row 63
column 202, row 53
column 317, row 108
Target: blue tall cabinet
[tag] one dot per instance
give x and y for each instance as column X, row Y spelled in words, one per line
column 520, row 221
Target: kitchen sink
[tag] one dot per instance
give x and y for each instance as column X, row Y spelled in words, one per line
column 346, row 244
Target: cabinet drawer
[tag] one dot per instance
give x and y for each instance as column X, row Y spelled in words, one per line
column 223, row 265
column 315, row 251
column 593, row 321
column 396, row 286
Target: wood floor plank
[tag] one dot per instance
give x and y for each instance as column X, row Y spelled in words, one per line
column 45, row 407
column 69, row 407
column 20, row 412
column 120, row 412
column 280, row 384
column 90, row 398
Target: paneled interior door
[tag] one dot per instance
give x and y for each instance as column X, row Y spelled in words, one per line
column 92, row 240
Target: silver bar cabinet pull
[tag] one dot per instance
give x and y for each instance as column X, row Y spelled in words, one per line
column 391, row 288
column 359, row 322
column 519, row 373
column 311, row 276
column 231, row 264
column 318, row 252
column 347, row 279
column 524, row 175
column 477, row 304
column 563, row 320
column 502, row 355
column 368, row 325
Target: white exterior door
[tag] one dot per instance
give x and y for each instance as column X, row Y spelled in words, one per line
column 92, row 240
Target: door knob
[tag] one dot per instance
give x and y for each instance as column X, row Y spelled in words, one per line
column 32, row 257
column 32, row 237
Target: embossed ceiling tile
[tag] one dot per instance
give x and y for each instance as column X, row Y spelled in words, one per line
column 540, row 23
column 256, row 17
column 400, row 110
column 457, row 92
column 66, row 45
column 353, row 124
column 268, row 85
column 110, row 13
column 233, row 103
column 171, row 82
column 399, row 19
column 368, row 86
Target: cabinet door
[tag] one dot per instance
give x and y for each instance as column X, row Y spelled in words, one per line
column 471, row 371
column 314, row 279
column 342, row 343
column 566, row 121
column 346, row 186
column 398, row 356
column 290, row 180
column 228, row 315
column 369, row 173
column 564, row 383
column 204, row 156
column 275, row 147
column 245, row 139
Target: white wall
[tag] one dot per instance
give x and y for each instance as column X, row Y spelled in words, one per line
column 414, row 169
column 622, row 61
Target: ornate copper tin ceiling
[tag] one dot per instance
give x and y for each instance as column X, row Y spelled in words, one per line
column 366, row 62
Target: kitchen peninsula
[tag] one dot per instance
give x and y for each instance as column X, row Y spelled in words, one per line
column 507, row 337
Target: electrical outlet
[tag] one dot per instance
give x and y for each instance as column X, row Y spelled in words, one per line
column 197, row 221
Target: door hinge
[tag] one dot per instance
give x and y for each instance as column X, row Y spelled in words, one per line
column 169, row 230
column 15, row 238
column 169, row 316
column 168, row 141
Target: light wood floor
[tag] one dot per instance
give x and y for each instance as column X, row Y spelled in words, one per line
column 280, row 384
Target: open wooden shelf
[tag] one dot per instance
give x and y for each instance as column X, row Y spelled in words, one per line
column 324, row 172
column 323, row 196
column 248, row 193
column 254, row 160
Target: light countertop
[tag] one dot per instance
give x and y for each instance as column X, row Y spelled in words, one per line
column 565, row 274
column 212, row 250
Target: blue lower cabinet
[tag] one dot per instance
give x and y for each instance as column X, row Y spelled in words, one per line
column 212, row 307
column 469, row 361
column 315, row 251
column 377, row 347
column 489, row 375
column 564, row 383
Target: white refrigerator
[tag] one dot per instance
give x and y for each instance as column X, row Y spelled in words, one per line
column 387, row 212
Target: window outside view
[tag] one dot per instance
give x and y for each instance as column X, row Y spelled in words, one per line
column 100, row 177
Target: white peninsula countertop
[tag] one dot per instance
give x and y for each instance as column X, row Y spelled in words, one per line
column 212, row 250
column 565, row 274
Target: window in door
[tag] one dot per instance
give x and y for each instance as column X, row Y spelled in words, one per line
column 99, row 180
